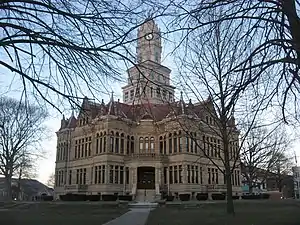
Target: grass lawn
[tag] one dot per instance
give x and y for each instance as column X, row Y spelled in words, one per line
column 285, row 212
column 59, row 214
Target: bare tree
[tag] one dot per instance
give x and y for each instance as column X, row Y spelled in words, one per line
column 208, row 68
column 260, row 147
column 281, row 166
column 51, row 180
column 21, row 132
column 69, row 47
column 271, row 33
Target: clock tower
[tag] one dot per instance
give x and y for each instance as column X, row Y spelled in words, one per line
column 149, row 43
column 148, row 80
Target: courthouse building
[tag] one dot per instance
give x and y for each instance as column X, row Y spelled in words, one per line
column 148, row 141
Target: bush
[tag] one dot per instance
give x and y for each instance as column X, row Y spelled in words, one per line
column 202, row 196
column 235, row 197
column 260, row 196
column 184, row 197
column 47, row 198
column 109, row 197
column 93, row 198
column 125, row 197
column 265, row 196
column 170, row 198
column 218, row 196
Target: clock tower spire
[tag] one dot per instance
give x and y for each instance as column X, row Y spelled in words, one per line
column 149, row 43
column 148, row 80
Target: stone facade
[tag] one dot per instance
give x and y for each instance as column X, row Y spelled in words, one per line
column 296, row 176
column 147, row 142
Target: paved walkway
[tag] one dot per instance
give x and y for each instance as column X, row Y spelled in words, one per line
column 136, row 216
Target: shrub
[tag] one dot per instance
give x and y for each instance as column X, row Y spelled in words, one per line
column 265, row 196
column 109, row 197
column 248, row 197
column 235, row 197
column 170, row 198
column 93, row 198
column 125, row 197
column 47, row 198
column 217, row 196
column 184, row 197
column 202, row 196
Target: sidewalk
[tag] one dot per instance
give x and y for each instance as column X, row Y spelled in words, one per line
column 136, row 216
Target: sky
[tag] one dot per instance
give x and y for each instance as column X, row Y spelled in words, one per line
column 11, row 86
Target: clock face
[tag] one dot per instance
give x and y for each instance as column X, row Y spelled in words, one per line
column 149, row 36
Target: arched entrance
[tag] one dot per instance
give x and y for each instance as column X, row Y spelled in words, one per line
column 146, row 178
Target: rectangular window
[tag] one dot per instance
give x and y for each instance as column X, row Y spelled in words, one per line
column 96, row 175
column 201, row 176
column 103, row 174
column 189, row 174
column 84, row 176
column 180, row 174
column 75, row 151
column 77, row 176
column 197, row 175
column 209, row 178
column 170, row 175
column 116, row 174
column 126, row 96
column 111, row 174
column 99, row 174
column 127, row 175
column 193, row 174
column 217, row 176
column 70, row 177
column 121, row 174
column 104, row 144
column 165, row 175
column 175, row 175
column 97, row 145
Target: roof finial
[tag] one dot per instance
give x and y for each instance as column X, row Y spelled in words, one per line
column 182, row 104
column 111, row 103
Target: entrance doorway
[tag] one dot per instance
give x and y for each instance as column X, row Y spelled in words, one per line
column 146, row 178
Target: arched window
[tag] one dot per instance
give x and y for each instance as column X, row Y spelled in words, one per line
column 128, row 145
column 104, row 141
column 132, row 144
column 161, row 145
column 170, row 143
column 122, row 144
column 141, row 144
column 117, row 142
column 111, row 143
column 97, row 143
column 165, row 145
column 101, row 142
column 175, row 141
column 192, row 142
column 146, row 144
column 180, row 141
column 196, row 145
column 152, row 144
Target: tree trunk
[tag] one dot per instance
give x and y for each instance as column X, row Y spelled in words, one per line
column 8, row 188
column 230, row 206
